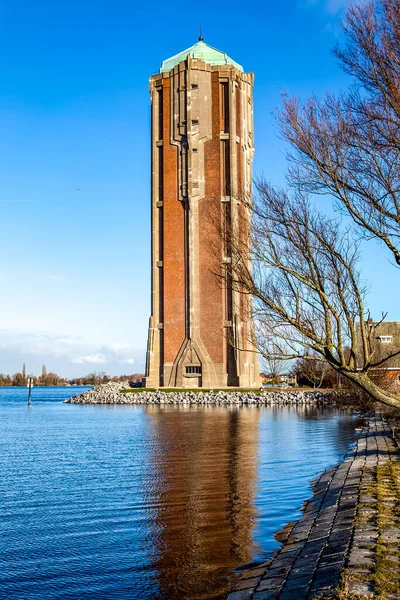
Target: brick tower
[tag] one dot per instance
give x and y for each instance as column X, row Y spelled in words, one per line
column 202, row 151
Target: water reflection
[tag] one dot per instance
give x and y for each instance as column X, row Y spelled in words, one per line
column 206, row 463
column 122, row 502
column 222, row 479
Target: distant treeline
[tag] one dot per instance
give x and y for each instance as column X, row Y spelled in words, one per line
column 49, row 378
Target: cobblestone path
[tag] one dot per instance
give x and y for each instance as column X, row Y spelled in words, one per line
column 337, row 530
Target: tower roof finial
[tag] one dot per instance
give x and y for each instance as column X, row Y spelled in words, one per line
column 201, row 34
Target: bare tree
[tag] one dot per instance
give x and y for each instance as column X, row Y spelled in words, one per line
column 275, row 367
column 349, row 146
column 300, row 268
column 313, row 370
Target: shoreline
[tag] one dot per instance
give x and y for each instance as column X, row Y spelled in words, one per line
column 113, row 393
column 336, row 545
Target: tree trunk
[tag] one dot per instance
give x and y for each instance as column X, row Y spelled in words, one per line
column 362, row 381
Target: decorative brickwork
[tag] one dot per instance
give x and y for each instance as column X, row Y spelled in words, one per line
column 202, row 151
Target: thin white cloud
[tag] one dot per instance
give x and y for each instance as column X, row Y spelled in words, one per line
column 64, row 353
column 117, row 347
column 92, row 359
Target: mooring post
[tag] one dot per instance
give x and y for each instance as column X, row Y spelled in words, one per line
column 29, row 385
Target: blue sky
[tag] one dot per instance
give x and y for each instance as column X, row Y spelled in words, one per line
column 74, row 113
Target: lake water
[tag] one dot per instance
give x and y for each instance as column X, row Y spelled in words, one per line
column 118, row 502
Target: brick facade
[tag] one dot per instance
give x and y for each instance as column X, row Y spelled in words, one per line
column 386, row 342
column 202, row 150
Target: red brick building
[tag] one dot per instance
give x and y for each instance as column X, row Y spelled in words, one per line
column 202, row 152
column 386, row 342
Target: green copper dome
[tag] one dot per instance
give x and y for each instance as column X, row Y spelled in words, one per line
column 202, row 52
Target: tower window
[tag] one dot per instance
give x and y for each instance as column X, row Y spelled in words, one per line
column 160, row 107
column 385, row 339
column 225, row 168
column 224, row 106
column 160, row 173
column 195, row 86
column 193, row 370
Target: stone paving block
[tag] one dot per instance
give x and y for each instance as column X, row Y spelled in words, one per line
column 298, row 537
column 370, row 512
column 273, row 584
column 301, row 528
column 241, row 595
column 339, row 538
column 361, row 588
column 243, row 584
column 337, row 546
column 306, row 562
column 367, row 533
column 312, row 548
column 276, row 572
column 329, row 502
column 297, row 583
column 325, row 519
column 289, row 554
column 332, row 559
column 323, row 587
column 250, row 573
column 367, row 499
column 333, row 550
column 390, row 535
column 281, row 561
column 328, row 572
column 291, row 547
column 360, row 571
column 344, row 533
column 359, row 556
column 343, row 520
column 265, row 596
column 321, row 529
column 364, row 543
column 300, row 594
column 302, row 572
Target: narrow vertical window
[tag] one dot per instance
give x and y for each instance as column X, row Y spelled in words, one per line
column 161, row 258
column 160, row 233
column 160, row 173
column 239, row 170
column 160, row 107
column 238, row 112
column 225, row 168
column 224, row 106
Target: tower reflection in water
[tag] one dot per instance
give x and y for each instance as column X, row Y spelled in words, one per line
column 203, row 491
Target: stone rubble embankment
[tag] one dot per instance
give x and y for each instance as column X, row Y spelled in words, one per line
column 112, row 393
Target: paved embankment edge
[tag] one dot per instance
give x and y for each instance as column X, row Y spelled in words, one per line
column 337, row 533
column 112, row 393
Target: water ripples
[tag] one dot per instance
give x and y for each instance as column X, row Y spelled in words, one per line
column 150, row 503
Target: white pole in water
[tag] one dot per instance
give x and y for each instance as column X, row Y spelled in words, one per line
column 29, row 385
